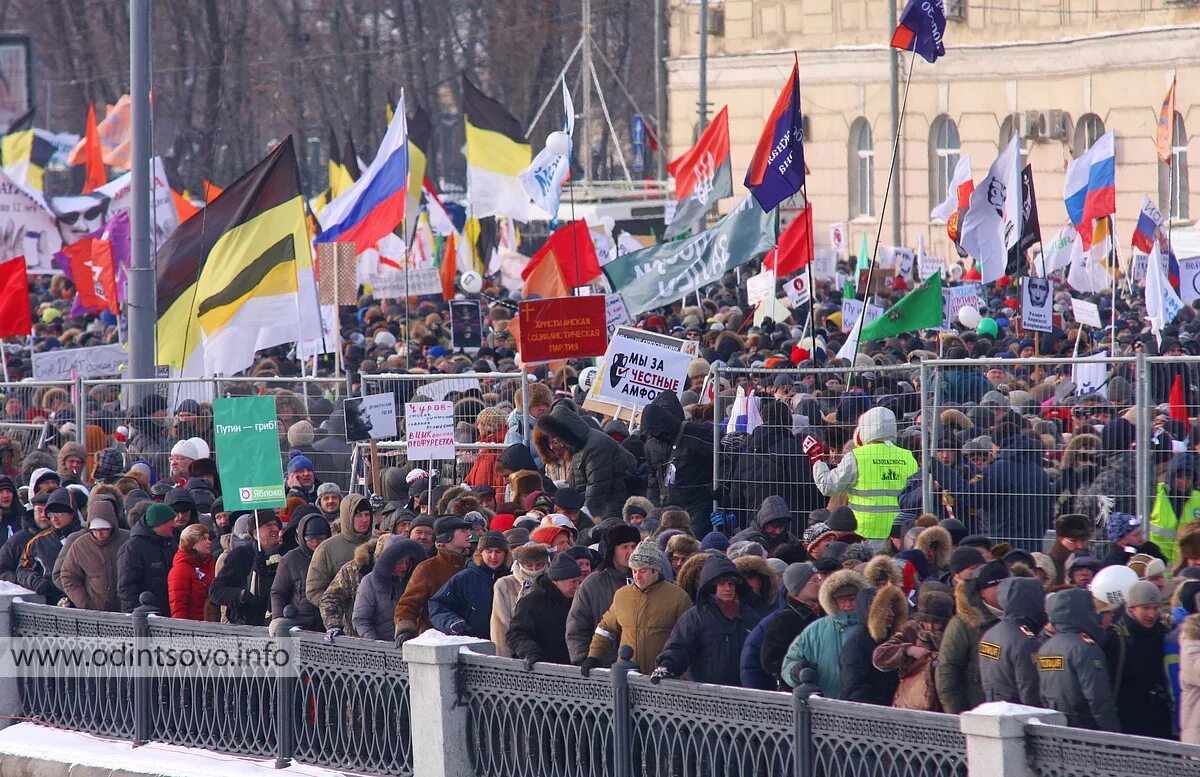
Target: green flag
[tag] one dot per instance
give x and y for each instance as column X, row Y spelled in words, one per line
column 921, row 308
column 864, row 261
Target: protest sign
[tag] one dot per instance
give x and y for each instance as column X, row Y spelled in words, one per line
column 1086, row 312
column 636, row 369
column 760, row 287
column 390, row 284
column 774, row 309
column 824, row 265
column 81, row 214
column 1091, row 377
column 797, row 290
column 438, row 390
column 466, row 324
column 429, row 430
column 370, row 418
column 563, row 328
column 1037, row 304
column 246, row 437
column 853, row 308
column 954, row 298
column 837, row 239
column 99, row 361
column 615, row 312
column 28, row 227
column 1189, row 279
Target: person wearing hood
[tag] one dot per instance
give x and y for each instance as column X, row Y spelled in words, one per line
column 184, row 504
column 145, row 560
column 801, row 607
column 881, row 612
column 72, row 461
column 1176, row 502
column 34, row 521
column 191, row 577
column 1134, row 649
column 642, row 615
column 242, row 587
column 771, row 525
column 977, row 607
column 680, row 461
column 89, row 568
column 337, row 605
column 530, row 561
column 12, row 512
column 871, row 475
column 380, row 589
column 1073, row 676
column 820, row 645
column 1008, row 650
column 312, row 530
column 538, row 629
column 453, row 538
column 599, row 466
column 43, row 481
column 596, row 593
column 463, row 606
column 355, row 523
column 36, row 564
column 912, row 651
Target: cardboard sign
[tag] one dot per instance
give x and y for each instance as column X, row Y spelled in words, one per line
column 1037, row 304
column 563, row 328
column 246, row 437
column 1086, row 312
column 429, row 431
column 1189, row 279
column 371, row 418
column 615, row 312
column 968, row 295
column 774, row 309
column 1091, row 377
column 837, row 238
column 928, row 265
column 466, row 324
column 636, row 369
column 853, row 308
column 797, row 290
column 99, row 361
column 824, row 265
column 760, row 287
column 438, row 390
column 391, row 284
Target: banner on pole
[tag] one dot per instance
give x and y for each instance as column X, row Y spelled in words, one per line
column 563, row 328
column 246, row 437
column 99, row 361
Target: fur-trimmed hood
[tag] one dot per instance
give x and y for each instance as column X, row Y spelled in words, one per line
column 757, row 565
column 689, row 574
column 636, row 501
column 935, row 543
column 834, row 582
column 881, row 570
column 1189, row 540
column 1190, row 628
column 564, row 422
column 364, row 555
column 969, row 607
column 889, row 599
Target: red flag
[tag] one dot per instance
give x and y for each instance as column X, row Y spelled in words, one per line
column 95, row 175
column 795, row 246
column 572, row 249
column 1175, row 400
column 211, row 191
column 92, row 269
column 16, row 319
column 543, row 279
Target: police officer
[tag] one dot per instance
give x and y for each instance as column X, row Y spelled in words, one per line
column 1071, row 668
column 1008, row 650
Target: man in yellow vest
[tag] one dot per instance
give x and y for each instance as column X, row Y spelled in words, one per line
column 1176, row 502
column 872, row 475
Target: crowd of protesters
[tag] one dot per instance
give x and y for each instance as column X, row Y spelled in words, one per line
column 1029, row 578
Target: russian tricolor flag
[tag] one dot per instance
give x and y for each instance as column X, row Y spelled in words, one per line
column 1147, row 225
column 1090, row 191
column 374, row 205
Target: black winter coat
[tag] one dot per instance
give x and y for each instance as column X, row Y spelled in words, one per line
column 1135, row 664
column 288, row 587
column 783, row 628
column 37, row 561
column 243, row 586
column 539, row 625
column 689, row 457
column 144, row 563
column 600, row 468
column 775, row 465
column 861, row 681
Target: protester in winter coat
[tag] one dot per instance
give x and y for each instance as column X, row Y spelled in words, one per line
column 453, row 537
column 963, row 384
column 337, row 605
column 599, row 466
column 1127, row 538
column 1189, row 680
column 881, row 613
column 801, row 607
column 355, row 523
column 913, row 648
column 1072, row 675
column 539, row 624
column 490, row 424
column 774, row 465
column 595, row 596
column 380, row 589
column 529, row 563
column 820, row 645
column 145, row 560
column 463, row 606
column 1133, row 649
column 686, row 473
column 12, row 513
column 1008, row 649
column 977, row 608
column 242, row 587
column 191, row 577
column 707, row 641
column 770, row 527
column 41, row 551
column 642, row 615
column 312, row 530
column 90, row 565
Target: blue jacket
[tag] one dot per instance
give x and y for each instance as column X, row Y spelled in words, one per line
column 752, row 672
column 466, row 598
column 964, row 384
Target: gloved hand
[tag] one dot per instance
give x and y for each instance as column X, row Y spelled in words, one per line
column 588, row 665
column 459, row 628
column 659, row 674
column 813, row 448
column 65, row 602
column 404, row 636
column 331, row 634
column 530, row 660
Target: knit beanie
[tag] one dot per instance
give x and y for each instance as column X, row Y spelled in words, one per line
column 647, row 556
column 1117, row 525
column 157, row 514
column 715, row 540
column 566, row 568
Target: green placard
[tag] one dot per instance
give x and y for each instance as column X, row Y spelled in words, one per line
column 248, row 460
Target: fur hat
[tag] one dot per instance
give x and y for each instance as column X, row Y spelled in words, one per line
column 682, row 543
column 1189, row 540
column 1045, row 564
column 881, row 570
column 1147, row 566
column 964, row 558
column 745, row 548
column 674, row 518
column 935, row 607
column 1075, row 526
column 531, row 552
column 935, row 542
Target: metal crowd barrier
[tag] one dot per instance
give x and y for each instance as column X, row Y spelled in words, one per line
column 1059, row 751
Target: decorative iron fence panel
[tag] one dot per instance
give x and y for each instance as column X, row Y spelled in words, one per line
column 546, row 723
column 864, row 740
column 1059, row 751
column 685, row 729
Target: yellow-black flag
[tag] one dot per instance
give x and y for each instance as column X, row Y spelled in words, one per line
column 497, row 152
column 24, row 153
column 239, row 276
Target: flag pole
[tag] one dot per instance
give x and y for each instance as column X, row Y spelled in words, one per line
column 1171, row 169
column 886, row 191
column 812, row 259
column 4, row 361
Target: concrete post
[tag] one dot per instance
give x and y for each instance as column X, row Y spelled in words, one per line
column 11, row 707
column 440, row 747
column 996, row 737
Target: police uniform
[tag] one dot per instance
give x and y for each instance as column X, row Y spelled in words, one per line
column 1008, row 651
column 1072, row 674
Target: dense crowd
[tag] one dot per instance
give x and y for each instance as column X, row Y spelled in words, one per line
column 1031, row 578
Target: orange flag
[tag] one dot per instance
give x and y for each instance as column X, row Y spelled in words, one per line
column 184, row 209
column 1166, row 125
column 544, row 279
column 95, row 176
column 449, row 269
column 211, row 191
column 114, row 134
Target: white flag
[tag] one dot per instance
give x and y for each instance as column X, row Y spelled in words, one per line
column 992, row 223
column 544, row 178
column 962, row 175
column 1057, row 253
column 1087, row 274
column 1162, row 303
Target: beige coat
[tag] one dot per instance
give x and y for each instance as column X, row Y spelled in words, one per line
column 1189, row 681
column 505, row 595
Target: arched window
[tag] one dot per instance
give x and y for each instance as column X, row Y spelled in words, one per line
column 862, row 169
column 943, row 157
column 1173, row 185
column 1087, row 130
column 1009, row 127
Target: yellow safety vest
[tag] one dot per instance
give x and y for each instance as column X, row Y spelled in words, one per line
column 883, row 469
column 1164, row 524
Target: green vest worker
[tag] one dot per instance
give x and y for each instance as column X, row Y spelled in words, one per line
column 1176, row 502
column 872, row 475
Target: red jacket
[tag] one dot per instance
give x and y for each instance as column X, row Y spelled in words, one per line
column 188, row 584
column 483, row 473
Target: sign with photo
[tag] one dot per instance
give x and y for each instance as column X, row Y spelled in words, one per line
column 466, row 324
column 1037, row 304
column 371, row 418
column 954, row 298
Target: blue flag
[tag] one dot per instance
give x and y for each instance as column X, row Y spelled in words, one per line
column 777, row 169
column 922, row 28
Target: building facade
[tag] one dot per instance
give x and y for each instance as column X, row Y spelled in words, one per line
column 1059, row 72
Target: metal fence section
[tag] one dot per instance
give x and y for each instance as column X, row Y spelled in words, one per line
column 1058, row 751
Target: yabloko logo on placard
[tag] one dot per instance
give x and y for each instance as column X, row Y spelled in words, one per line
column 637, row 370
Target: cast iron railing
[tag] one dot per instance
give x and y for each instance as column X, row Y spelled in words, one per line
column 1059, row 751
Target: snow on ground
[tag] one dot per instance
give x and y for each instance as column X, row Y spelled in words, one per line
column 34, row 741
